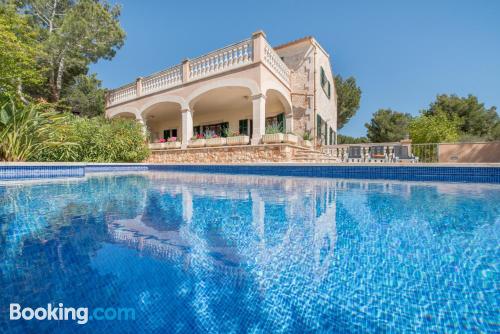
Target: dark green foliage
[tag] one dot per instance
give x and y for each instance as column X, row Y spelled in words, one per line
column 100, row 140
column 476, row 121
column 388, row 125
column 341, row 139
column 86, row 97
column 348, row 99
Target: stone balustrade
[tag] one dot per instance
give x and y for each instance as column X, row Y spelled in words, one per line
column 162, row 80
column 340, row 151
column 228, row 58
column 221, row 60
column 122, row 94
column 273, row 60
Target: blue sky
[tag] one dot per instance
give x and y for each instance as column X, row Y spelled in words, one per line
column 402, row 53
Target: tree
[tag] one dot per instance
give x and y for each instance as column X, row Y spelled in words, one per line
column 74, row 35
column 388, row 125
column 18, row 58
column 341, row 139
column 348, row 99
column 435, row 128
column 86, row 97
column 476, row 120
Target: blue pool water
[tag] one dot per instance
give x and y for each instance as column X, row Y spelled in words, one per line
column 196, row 253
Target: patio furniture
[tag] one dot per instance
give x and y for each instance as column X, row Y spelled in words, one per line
column 378, row 154
column 355, row 154
column 401, row 154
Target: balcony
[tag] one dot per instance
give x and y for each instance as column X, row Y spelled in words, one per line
column 239, row 55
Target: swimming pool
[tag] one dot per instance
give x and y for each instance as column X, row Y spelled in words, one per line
column 195, row 252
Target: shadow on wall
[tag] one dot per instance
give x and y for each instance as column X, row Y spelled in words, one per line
column 470, row 152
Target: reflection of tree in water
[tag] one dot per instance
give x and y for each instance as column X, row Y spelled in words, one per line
column 59, row 265
column 163, row 211
column 50, row 233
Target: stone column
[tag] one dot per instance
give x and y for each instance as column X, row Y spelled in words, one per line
column 259, row 40
column 289, row 122
column 187, row 127
column 140, row 120
column 138, row 86
column 259, row 118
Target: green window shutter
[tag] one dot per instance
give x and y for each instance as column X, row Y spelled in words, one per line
column 243, row 129
column 281, row 121
column 224, row 127
column 318, row 126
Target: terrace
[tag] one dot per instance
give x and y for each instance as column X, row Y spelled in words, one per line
column 236, row 88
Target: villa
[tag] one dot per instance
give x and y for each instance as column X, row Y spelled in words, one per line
column 236, row 92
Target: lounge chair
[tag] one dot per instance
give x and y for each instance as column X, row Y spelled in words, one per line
column 401, row 154
column 355, row 154
column 378, row 154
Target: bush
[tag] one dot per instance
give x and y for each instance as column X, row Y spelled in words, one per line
column 436, row 128
column 27, row 131
column 99, row 140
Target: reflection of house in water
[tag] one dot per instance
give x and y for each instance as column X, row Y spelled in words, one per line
column 278, row 221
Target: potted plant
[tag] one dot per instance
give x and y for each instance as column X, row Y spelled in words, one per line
column 160, row 144
column 291, row 138
column 235, row 138
column 197, row 140
column 306, row 139
column 273, row 134
column 214, row 140
column 172, row 142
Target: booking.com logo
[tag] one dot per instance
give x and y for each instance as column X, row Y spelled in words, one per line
column 81, row 314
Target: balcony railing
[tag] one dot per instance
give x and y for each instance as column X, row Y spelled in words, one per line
column 222, row 60
column 273, row 60
column 165, row 79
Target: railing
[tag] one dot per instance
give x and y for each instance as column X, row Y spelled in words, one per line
column 273, row 60
column 222, row 60
column 162, row 80
column 340, row 151
column 122, row 94
column 225, row 59
column 426, row 152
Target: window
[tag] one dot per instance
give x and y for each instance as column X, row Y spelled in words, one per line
column 220, row 129
column 321, row 130
column 278, row 120
column 332, row 136
column 169, row 133
column 245, row 127
column 325, row 83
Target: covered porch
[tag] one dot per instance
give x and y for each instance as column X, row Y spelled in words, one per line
column 215, row 116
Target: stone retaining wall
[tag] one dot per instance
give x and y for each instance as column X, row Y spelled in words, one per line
column 225, row 154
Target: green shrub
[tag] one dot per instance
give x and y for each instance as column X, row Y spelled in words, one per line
column 100, row 140
column 26, row 131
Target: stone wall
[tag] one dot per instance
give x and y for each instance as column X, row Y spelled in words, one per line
column 225, row 154
column 470, row 152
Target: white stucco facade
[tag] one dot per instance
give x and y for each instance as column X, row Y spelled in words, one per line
column 239, row 87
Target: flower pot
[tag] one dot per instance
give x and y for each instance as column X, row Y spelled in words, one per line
column 307, row 143
column 238, row 140
column 197, row 143
column 157, row 146
column 271, row 138
column 291, row 139
column 172, row 145
column 219, row 141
